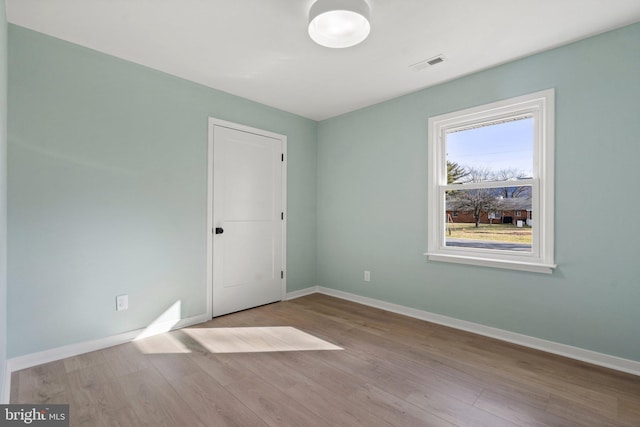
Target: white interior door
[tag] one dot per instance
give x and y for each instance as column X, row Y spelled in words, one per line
column 247, row 219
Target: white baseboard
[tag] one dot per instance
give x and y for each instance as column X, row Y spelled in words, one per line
column 301, row 293
column 39, row 358
column 595, row 358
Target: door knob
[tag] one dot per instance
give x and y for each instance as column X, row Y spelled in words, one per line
column 219, row 230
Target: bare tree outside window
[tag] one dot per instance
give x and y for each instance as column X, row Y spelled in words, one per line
column 478, row 201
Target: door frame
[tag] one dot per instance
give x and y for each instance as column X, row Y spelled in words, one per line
column 209, row 231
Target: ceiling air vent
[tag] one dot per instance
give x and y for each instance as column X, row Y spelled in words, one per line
column 427, row 63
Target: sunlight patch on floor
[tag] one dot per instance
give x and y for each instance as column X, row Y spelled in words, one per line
column 257, row 339
column 161, row 344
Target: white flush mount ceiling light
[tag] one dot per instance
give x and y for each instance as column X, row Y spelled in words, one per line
column 339, row 23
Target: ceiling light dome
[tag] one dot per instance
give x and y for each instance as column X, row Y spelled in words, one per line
column 339, row 23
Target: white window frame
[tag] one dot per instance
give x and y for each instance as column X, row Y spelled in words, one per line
column 540, row 106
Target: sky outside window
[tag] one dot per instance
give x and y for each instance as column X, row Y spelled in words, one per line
column 495, row 147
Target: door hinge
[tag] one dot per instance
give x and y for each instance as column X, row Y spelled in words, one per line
column 283, row 157
column 281, row 274
column 282, row 216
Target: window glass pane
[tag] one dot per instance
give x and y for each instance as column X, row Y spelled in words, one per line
column 497, row 151
column 487, row 218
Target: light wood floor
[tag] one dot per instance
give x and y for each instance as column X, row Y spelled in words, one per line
column 249, row 369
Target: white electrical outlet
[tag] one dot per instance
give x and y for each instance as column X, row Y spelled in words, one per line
column 122, row 302
column 367, row 276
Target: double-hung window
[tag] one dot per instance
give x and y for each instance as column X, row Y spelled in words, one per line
column 491, row 185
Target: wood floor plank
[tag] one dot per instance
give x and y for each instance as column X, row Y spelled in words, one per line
column 263, row 367
column 155, row 402
column 273, row 406
column 629, row 411
column 174, row 365
column 84, row 361
column 457, row 412
column 301, row 385
column 213, row 404
column 15, row 388
column 223, row 368
column 580, row 413
column 523, row 412
column 98, row 399
column 41, row 384
column 395, row 411
column 333, row 409
column 126, row 359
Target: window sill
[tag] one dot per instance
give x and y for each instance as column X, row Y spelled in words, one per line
column 490, row 262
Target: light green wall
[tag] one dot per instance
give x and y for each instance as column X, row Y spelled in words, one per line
column 3, row 192
column 372, row 207
column 107, row 191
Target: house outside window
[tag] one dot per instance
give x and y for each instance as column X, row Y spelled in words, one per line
column 488, row 165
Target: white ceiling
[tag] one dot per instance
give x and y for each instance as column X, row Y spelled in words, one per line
column 260, row 50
